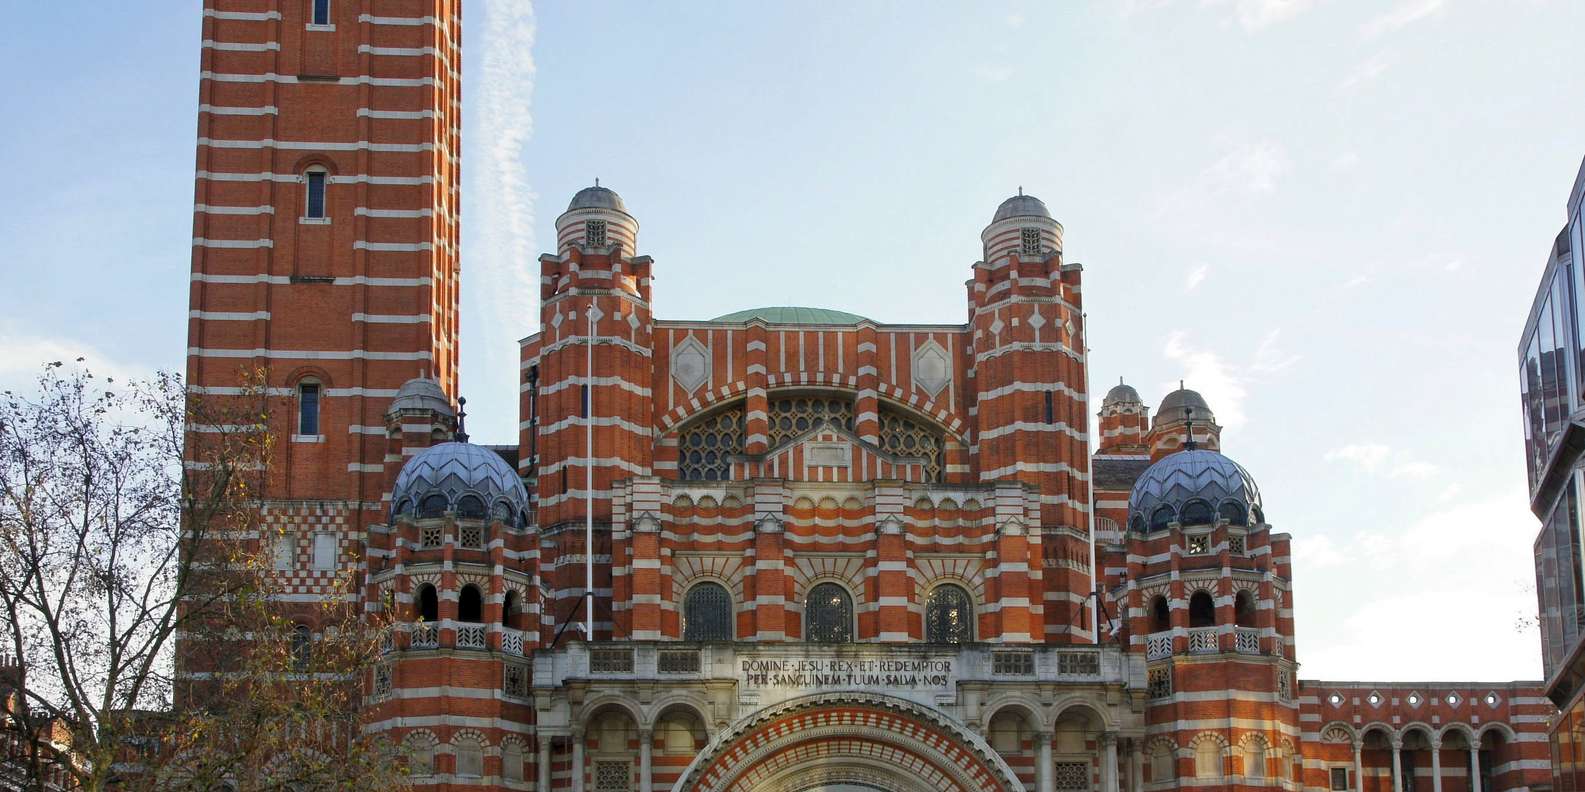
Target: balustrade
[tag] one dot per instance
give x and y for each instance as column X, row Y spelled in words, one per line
column 1202, row 640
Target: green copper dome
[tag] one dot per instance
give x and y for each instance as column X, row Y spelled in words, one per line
column 791, row 314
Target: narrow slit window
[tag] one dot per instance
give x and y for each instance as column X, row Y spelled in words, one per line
column 314, row 209
column 308, row 408
column 321, row 13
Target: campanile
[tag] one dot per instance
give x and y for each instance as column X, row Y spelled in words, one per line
column 325, row 225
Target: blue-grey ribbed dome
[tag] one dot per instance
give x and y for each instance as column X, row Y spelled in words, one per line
column 597, row 197
column 1021, row 206
column 422, row 393
column 471, row 480
column 1210, row 481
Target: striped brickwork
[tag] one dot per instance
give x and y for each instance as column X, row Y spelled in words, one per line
column 356, row 299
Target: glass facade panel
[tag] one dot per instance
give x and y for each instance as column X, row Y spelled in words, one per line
column 1545, row 373
column 1559, row 580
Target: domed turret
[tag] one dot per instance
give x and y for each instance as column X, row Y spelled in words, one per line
column 1171, row 410
column 1121, row 394
column 1022, row 225
column 1021, row 205
column 460, row 477
column 1193, row 487
column 422, row 393
column 596, row 220
column 597, row 197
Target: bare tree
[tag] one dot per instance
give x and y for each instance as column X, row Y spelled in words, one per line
column 129, row 521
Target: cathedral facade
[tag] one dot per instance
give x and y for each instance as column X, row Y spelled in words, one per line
column 784, row 549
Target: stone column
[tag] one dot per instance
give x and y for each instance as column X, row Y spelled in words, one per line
column 577, row 761
column 1474, row 766
column 542, row 768
column 646, row 739
column 1109, row 762
column 1043, row 766
column 1359, row 766
column 1397, row 765
column 1136, row 765
column 1436, row 765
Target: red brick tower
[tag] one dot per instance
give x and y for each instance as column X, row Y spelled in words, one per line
column 325, row 236
column 1026, row 316
column 595, row 273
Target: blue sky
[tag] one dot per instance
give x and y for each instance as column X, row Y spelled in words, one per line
column 1329, row 217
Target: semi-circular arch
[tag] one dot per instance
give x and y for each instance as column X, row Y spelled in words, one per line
column 842, row 733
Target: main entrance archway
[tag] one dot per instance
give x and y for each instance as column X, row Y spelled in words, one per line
column 847, row 742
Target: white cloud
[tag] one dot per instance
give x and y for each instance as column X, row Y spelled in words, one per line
column 1195, row 277
column 1460, row 567
column 1250, row 167
column 1404, row 15
column 1223, row 383
column 1368, row 456
column 23, row 356
column 1253, row 15
column 1366, row 71
column 1377, row 458
column 504, row 254
column 1356, row 281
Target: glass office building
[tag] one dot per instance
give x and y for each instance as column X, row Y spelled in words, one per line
column 1552, row 397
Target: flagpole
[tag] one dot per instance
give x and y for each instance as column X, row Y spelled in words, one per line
column 1089, row 482
column 588, row 483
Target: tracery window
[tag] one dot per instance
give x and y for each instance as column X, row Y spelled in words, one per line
column 904, row 436
column 707, row 613
column 705, row 446
column 792, row 416
column 1031, row 241
column 948, row 616
column 828, row 614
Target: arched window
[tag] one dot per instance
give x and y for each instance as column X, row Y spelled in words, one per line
column 470, row 757
column 512, row 760
column 828, row 614
column 403, row 507
column 1244, row 609
column 707, row 613
column 509, row 607
column 470, row 506
column 1197, row 512
column 1260, row 516
column 1162, row 764
column 308, row 408
column 433, row 505
column 1208, row 759
column 1202, row 610
column 1161, row 518
column 421, row 756
column 302, row 647
column 1232, row 512
column 503, row 513
column 428, row 604
column 949, row 617
column 1254, row 759
column 316, row 183
column 470, row 605
column 1160, row 614
column 1137, row 524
